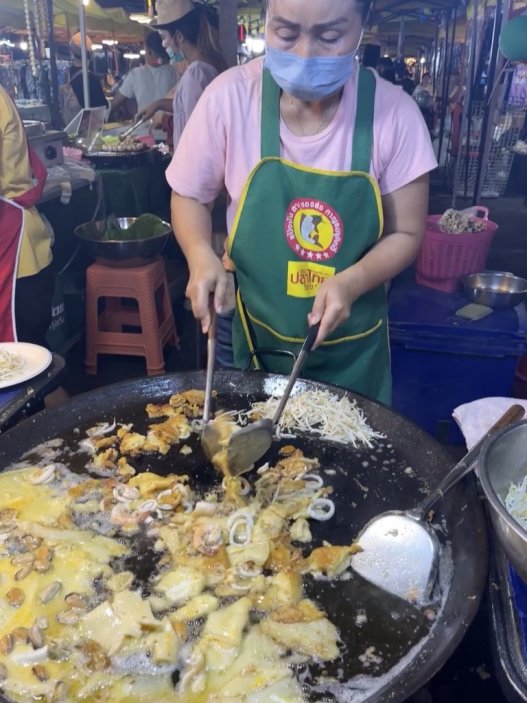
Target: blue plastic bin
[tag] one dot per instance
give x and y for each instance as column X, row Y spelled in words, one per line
column 519, row 594
column 440, row 361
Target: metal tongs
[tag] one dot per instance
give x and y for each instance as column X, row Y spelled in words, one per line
column 131, row 129
column 248, row 444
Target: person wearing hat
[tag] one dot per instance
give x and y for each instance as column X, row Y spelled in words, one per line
column 326, row 170
column 189, row 33
column 72, row 92
column 148, row 83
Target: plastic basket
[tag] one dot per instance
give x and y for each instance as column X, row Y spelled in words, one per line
column 444, row 258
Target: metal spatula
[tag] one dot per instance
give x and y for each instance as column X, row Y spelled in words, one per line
column 208, row 443
column 248, row 444
column 401, row 550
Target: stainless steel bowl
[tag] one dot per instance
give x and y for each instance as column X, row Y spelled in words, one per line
column 91, row 235
column 498, row 290
column 503, row 461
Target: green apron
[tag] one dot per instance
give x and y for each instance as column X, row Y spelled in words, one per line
column 296, row 227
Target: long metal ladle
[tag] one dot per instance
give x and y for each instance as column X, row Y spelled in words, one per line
column 243, row 447
column 401, row 551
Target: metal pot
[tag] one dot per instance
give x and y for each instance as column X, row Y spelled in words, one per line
column 366, row 481
column 497, row 289
column 91, row 235
column 504, row 461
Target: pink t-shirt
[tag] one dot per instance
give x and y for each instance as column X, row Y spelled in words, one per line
column 221, row 142
column 193, row 82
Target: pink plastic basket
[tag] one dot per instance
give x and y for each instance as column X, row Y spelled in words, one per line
column 444, row 258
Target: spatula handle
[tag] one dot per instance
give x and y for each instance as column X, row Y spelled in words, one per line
column 514, row 414
column 297, row 368
column 211, row 361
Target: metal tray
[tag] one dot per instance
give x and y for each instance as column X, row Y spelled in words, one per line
column 111, row 159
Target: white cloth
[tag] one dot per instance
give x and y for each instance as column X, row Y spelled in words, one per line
column 476, row 418
column 148, row 83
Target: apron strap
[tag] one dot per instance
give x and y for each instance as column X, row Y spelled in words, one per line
column 270, row 118
column 363, row 134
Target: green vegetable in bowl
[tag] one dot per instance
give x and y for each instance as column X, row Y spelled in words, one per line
column 145, row 227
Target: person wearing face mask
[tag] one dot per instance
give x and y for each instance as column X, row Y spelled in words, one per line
column 326, row 169
column 190, row 34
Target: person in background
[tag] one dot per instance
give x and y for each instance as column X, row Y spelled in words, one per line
column 26, row 276
column 403, row 78
column 190, row 33
column 72, row 92
column 371, row 53
column 148, row 83
column 386, row 69
column 425, row 100
column 326, row 170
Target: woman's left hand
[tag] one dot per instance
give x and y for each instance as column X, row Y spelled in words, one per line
column 333, row 303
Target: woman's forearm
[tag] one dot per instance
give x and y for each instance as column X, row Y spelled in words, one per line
column 192, row 224
column 387, row 259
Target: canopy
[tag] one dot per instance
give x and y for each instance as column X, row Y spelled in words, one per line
column 100, row 22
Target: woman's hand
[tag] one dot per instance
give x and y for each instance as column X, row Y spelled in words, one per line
column 207, row 277
column 333, row 303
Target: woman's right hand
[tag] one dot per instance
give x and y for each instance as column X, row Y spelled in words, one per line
column 207, row 277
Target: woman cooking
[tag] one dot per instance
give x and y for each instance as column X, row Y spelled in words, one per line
column 190, row 34
column 325, row 165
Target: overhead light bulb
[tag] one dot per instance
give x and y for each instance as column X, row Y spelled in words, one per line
column 142, row 52
column 23, row 45
column 131, row 56
column 85, row 2
column 140, row 17
column 96, row 47
column 422, row 60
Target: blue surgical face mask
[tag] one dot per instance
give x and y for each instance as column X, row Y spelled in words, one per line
column 310, row 79
column 174, row 55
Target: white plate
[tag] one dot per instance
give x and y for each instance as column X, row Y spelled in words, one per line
column 36, row 359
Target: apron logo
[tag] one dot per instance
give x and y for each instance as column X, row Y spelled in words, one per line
column 305, row 278
column 313, row 229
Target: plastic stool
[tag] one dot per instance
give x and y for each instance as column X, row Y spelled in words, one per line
column 145, row 283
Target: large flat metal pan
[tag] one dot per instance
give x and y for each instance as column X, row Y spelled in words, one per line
column 110, row 159
column 392, row 475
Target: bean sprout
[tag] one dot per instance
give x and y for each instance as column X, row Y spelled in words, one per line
column 321, row 509
column 11, row 363
column 322, row 413
column 101, row 429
